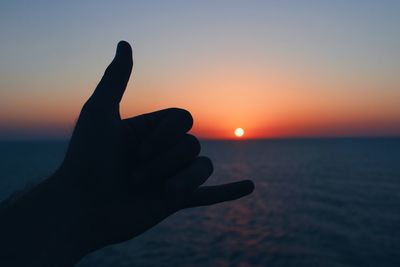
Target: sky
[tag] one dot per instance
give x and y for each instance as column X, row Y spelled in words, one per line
column 277, row 69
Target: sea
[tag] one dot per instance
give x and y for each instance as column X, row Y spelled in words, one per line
column 317, row 202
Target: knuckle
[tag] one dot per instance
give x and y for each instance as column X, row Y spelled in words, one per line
column 193, row 143
column 207, row 164
column 184, row 115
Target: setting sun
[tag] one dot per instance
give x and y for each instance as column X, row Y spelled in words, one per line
column 239, row 132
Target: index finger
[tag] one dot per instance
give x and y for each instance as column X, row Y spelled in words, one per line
column 157, row 131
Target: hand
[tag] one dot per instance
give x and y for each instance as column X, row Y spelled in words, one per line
column 120, row 177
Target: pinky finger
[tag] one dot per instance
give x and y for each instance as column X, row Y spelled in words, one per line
column 209, row 195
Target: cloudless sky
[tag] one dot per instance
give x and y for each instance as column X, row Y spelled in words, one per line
column 274, row 68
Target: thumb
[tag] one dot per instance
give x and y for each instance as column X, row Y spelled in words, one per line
column 112, row 86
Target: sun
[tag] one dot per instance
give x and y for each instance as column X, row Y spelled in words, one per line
column 239, row 132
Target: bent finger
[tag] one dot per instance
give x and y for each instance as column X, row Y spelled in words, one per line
column 189, row 179
column 169, row 163
column 175, row 124
column 144, row 125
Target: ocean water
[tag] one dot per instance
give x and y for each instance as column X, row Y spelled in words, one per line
column 332, row 202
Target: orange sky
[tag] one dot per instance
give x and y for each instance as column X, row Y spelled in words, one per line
column 275, row 69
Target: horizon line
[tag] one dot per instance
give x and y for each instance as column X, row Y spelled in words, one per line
column 64, row 139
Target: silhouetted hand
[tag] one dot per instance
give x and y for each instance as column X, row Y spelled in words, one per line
column 120, row 177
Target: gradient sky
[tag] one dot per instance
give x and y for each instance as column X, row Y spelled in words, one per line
column 274, row 68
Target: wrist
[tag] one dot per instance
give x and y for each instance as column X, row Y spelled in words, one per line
column 41, row 227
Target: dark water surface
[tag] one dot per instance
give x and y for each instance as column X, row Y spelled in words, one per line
column 317, row 203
